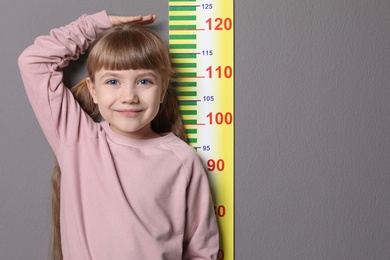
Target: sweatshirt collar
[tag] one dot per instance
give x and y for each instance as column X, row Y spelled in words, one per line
column 125, row 140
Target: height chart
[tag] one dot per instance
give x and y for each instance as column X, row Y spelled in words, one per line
column 201, row 41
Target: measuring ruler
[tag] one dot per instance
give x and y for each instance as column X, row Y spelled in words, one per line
column 201, row 41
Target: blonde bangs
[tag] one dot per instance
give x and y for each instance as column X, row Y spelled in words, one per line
column 130, row 47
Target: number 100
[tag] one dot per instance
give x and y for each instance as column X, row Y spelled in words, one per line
column 220, row 118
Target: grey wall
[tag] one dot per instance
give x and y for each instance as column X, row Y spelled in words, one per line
column 312, row 127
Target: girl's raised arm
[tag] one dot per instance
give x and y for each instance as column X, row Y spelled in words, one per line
column 41, row 67
column 41, row 64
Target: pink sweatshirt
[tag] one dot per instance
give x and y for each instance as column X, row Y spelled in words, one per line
column 121, row 198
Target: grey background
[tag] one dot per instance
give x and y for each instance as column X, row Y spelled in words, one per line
column 312, row 127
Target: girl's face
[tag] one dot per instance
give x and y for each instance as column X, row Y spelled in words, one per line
column 128, row 100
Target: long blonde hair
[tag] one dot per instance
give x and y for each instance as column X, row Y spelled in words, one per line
column 122, row 48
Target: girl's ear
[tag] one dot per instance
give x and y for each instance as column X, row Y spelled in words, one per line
column 91, row 88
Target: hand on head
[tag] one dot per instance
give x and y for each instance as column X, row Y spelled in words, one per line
column 119, row 20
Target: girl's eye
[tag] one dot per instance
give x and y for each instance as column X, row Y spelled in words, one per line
column 144, row 82
column 112, row 82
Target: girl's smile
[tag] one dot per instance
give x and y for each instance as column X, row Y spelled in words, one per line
column 129, row 112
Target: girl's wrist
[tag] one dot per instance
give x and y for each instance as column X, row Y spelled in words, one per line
column 101, row 21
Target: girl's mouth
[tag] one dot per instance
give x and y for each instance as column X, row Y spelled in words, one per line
column 129, row 113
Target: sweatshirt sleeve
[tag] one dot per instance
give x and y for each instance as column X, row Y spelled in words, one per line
column 201, row 238
column 41, row 64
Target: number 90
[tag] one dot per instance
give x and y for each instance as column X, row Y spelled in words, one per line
column 218, row 165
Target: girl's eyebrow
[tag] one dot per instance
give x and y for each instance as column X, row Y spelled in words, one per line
column 141, row 74
column 110, row 74
column 147, row 73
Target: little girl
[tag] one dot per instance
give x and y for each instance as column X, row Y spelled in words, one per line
column 130, row 188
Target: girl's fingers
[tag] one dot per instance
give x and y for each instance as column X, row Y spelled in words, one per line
column 149, row 18
column 118, row 20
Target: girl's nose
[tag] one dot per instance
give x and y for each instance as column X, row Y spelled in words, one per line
column 129, row 95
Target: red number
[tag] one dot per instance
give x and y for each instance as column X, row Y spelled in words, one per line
column 220, row 118
column 227, row 72
column 218, row 165
column 221, row 24
column 220, row 211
